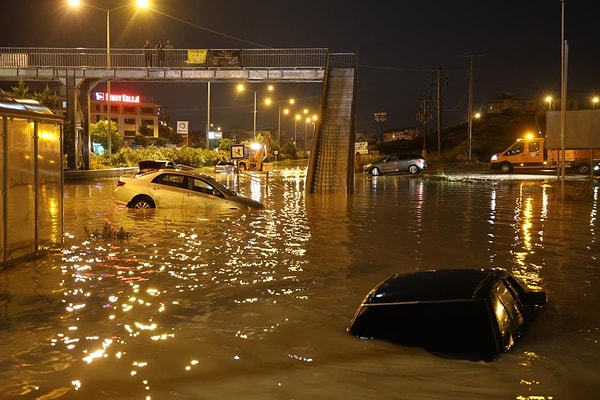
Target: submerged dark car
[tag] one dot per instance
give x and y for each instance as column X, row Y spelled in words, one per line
column 474, row 313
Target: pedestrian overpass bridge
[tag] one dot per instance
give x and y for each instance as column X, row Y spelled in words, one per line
column 331, row 164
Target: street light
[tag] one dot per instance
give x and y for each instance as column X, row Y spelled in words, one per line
column 549, row 101
column 297, row 118
column 313, row 119
column 595, row 100
column 268, row 102
column 241, row 88
column 286, row 111
column 308, row 119
column 140, row 4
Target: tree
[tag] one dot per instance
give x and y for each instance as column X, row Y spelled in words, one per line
column 141, row 140
column 225, row 144
column 21, row 91
column 146, row 130
column 99, row 134
column 175, row 137
column 47, row 97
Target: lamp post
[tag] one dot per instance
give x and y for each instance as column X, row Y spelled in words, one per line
column 595, row 100
column 297, row 118
column 380, row 118
column 268, row 102
column 549, row 101
column 279, row 124
column 140, row 4
column 286, row 111
column 241, row 88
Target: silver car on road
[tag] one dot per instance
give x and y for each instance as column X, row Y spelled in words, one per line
column 410, row 163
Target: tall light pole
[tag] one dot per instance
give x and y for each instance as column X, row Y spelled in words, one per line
column 241, row 88
column 296, row 119
column 549, row 101
column 140, row 4
column 285, row 111
column 305, row 133
column 380, row 118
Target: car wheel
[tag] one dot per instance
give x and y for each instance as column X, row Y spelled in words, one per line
column 413, row 169
column 505, row 168
column 375, row 171
column 584, row 168
column 142, row 202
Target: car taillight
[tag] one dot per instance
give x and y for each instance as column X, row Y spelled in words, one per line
column 120, row 183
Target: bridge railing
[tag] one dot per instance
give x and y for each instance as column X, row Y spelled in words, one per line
column 77, row 58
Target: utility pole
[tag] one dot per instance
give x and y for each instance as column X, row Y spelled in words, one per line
column 424, row 117
column 470, row 106
column 563, row 95
column 439, row 110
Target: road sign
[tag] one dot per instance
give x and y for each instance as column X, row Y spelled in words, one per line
column 237, row 151
column 182, row 127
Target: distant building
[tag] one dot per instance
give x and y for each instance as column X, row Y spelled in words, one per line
column 128, row 111
column 509, row 102
column 503, row 103
column 400, row 134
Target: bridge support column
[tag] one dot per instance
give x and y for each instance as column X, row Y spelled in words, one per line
column 77, row 144
column 70, row 128
column 84, row 103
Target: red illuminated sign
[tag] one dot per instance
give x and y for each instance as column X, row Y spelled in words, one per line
column 117, row 98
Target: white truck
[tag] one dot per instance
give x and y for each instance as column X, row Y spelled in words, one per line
column 581, row 143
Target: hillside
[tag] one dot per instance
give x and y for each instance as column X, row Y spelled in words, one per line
column 491, row 134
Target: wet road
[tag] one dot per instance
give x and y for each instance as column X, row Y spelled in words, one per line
column 255, row 305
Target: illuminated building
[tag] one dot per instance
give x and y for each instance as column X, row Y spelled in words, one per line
column 128, row 111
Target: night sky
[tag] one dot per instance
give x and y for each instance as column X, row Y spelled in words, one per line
column 515, row 44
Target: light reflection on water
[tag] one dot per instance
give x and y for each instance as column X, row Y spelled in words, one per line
column 255, row 305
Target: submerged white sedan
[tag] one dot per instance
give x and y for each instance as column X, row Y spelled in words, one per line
column 173, row 189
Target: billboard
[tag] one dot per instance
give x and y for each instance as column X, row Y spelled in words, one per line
column 582, row 129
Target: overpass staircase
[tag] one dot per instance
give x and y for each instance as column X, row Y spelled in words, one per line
column 331, row 166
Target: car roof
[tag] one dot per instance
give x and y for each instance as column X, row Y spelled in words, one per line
column 436, row 285
column 178, row 172
column 408, row 156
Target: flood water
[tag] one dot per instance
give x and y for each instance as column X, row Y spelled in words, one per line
column 255, row 305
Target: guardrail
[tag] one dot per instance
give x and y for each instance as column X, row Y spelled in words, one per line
column 81, row 58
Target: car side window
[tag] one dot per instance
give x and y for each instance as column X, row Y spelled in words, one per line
column 198, row 185
column 170, row 180
column 534, row 147
column 516, row 149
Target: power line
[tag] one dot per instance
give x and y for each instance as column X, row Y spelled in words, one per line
column 208, row 29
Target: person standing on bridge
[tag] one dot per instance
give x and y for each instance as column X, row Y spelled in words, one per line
column 148, row 53
column 169, row 51
column 160, row 53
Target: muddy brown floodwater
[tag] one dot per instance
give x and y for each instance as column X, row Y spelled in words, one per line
column 255, row 305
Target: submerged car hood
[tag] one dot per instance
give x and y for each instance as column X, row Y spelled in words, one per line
column 245, row 201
